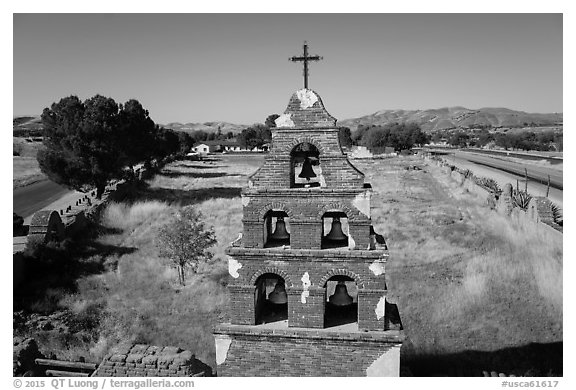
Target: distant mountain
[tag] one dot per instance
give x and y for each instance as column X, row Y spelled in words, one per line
column 22, row 125
column 454, row 117
column 209, row 127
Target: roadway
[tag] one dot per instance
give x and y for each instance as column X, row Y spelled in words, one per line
column 537, row 173
column 31, row 198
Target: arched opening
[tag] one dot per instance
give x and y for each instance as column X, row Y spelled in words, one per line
column 341, row 301
column 335, row 230
column 276, row 229
column 305, row 168
column 270, row 299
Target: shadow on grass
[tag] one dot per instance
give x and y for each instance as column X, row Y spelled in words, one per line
column 173, row 174
column 52, row 270
column 187, row 197
column 198, row 166
column 533, row 359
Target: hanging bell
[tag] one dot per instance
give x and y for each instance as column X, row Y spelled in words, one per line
column 280, row 232
column 340, row 296
column 278, row 296
column 307, row 171
column 336, row 233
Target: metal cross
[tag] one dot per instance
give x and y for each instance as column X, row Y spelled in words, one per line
column 305, row 58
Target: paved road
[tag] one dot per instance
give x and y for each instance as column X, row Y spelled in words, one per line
column 535, row 172
column 27, row 200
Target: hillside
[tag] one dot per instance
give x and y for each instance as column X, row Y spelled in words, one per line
column 22, row 125
column 452, row 117
column 429, row 120
column 26, row 126
column 209, row 127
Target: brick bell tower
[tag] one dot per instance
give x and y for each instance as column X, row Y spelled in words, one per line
column 307, row 277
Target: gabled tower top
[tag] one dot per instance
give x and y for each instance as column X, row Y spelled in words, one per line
column 305, row 110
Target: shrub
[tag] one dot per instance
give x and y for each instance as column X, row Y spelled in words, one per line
column 557, row 214
column 521, row 199
column 489, row 183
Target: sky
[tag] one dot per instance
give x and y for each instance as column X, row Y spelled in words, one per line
column 235, row 67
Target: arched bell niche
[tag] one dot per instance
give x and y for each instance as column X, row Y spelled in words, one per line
column 305, row 167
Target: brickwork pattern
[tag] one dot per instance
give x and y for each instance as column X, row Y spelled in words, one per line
column 267, row 352
column 148, row 360
column 304, row 115
column 320, row 265
column 305, row 210
column 295, row 349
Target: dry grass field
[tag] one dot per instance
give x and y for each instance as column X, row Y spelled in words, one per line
column 25, row 169
column 474, row 291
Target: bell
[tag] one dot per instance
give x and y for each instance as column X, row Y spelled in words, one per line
column 340, row 296
column 307, row 171
column 278, row 296
column 336, row 233
column 280, row 232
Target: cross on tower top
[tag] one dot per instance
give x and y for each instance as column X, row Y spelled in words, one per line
column 305, row 58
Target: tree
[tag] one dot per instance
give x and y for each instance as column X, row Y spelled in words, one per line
column 185, row 142
column 345, row 136
column 459, row 139
column 185, row 241
column 136, row 133
column 166, row 142
column 83, row 147
column 400, row 136
column 270, row 121
column 255, row 136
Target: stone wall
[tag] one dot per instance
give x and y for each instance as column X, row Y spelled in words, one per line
column 141, row 360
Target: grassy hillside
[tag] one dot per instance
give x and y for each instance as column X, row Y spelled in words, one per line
column 452, row 117
column 209, row 127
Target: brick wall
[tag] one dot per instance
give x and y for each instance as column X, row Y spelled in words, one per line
column 319, row 265
column 305, row 110
column 148, row 360
column 305, row 209
column 304, row 352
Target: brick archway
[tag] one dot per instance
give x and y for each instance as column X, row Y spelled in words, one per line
column 341, row 272
column 337, row 206
column 301, row 140
column 274, row 206
column 271, row 270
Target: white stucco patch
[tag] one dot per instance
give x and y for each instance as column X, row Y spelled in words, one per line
column 237, row 240
column 284, row 120
column 381, row 308
column 233, row 267
column 245, row 200
column 305, row 286
column 351, row 242
column 222, row 346
column 377, row 267
column 307, row 98
column 388, row 364
column 362, row 203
